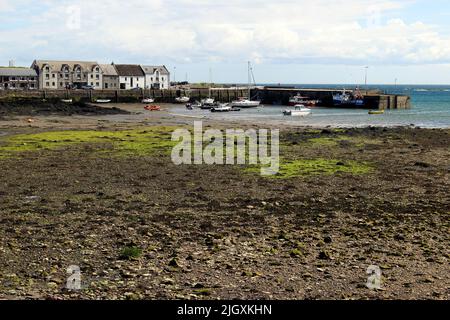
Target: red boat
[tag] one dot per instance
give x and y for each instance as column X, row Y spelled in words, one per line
column 153, row 108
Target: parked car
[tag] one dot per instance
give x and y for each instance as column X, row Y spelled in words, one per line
column 88, row 87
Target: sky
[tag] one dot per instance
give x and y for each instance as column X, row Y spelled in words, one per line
column 287, row 41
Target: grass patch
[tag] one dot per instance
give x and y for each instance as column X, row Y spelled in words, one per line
column 310, row 167
column 136, row 142
column 130, row 253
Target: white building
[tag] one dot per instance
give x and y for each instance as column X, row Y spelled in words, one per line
column 156, row 77
column 130, row 76
column 68, row 74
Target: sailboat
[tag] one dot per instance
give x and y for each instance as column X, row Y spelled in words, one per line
column 247, row 103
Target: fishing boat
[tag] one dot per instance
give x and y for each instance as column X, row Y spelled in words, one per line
column 247, row 102
column 299, row 99
column 346, row 99
column 148, row 100
column 67, row 100
column 376, row 112
column 182, row 99
column 222, row 108
column 102, row 101
column 299, row 111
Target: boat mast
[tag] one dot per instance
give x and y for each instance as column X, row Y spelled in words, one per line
column 249, row 80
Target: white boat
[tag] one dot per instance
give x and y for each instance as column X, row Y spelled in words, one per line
column 148, row 100
column 247, row 103
column 182, row 99
column 222, row 108
column 208, row 101
column 299, row 111
column 102, row 101
column 67, row 100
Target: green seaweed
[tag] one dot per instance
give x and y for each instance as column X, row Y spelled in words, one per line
column 319, row 166
column 137, row 142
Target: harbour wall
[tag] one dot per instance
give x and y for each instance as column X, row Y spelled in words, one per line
column 270, row 96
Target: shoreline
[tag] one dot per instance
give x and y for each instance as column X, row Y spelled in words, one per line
column 137, row 116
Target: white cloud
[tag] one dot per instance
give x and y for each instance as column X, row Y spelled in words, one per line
column 350, row 31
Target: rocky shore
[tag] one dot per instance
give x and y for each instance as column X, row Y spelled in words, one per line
column 105, row 196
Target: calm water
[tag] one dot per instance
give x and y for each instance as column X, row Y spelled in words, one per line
column 430, row 109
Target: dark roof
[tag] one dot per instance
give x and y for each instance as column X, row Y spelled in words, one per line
column 18, row 72
column 129, row 70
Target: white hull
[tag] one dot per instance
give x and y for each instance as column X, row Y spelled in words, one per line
column 246, row 104
column 299, row 111
column 294, row 113
column 182, row 99
column 148, row 100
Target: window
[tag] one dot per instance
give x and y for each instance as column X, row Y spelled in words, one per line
column 53, row 84
column 97, row 84
column 47, row 69
column 106, row 86
column 97, row 69
column 151, row 79
column 126, row 79
column 13, row 79
column 97, row 76
column 32, row 85
column 53, row 75
column 92, row 83
column 47, row 84
column 60, row 84
column 47, row 76
column 92, row 76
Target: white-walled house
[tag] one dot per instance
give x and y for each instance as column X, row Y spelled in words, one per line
column 156, row 77
column 130, row 76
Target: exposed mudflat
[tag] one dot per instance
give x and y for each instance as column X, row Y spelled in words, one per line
column 40, row 107
column 140, row 227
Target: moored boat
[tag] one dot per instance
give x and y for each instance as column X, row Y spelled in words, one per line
column 376, row 112
column 222, row 108
column 299, row 111
column 299, row 99
column 148, row 100
column 102, row 101
column 182, row 99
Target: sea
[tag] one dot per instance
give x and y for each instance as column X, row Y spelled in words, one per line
column 430, row 108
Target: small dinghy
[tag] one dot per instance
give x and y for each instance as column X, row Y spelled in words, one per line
column 152, row 108
column 102, row 101
column 182, row 99
column 148, row 100
column 67, row 100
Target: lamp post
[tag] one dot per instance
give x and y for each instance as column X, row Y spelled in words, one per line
column 365, row 79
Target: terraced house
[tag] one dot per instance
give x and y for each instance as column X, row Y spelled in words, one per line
column 156, row 77
column 131, row 76
column 18, row 78
column 68, row 74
